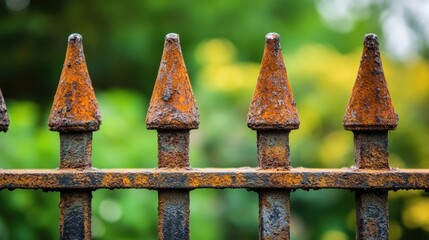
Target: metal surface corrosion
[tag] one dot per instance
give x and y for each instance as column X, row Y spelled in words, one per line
column 173, row 214
column 4, row 118
column 75, row 215
column 273, row 105
column 173, row 149
column 75, row 107
column 370, row 106
column 172, row 105
column 274, row 214
column 273, row 149
column 251, row 178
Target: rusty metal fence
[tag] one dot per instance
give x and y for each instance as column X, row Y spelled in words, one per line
column 173, row 113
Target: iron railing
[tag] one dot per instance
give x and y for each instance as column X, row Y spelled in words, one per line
column 173, row 113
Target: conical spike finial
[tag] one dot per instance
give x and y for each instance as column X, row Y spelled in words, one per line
column 273, row 105
column 75, row 107
column 4, row 118
column 172, row 105
column 370, row 106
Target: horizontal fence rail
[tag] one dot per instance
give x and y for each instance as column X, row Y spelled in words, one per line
column 252, row 178
column 173, row 113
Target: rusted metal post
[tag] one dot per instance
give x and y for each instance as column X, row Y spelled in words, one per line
column 173, row 113
column 370, row 114
column 75, row 115
column 4, row 118
column 273, row 114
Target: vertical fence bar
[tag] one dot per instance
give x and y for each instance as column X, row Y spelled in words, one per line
column 273, row 114
column 75, row 116
column 173, row 113
column 370, row 114
column 4, row 118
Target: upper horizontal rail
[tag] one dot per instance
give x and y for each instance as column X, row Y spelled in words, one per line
column 250, row 178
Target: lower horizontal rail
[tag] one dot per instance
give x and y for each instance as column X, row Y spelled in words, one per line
column 250, row 178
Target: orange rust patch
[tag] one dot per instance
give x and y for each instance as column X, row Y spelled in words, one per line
column 75, row 107
column 370, row 106
column 172, row 105
column 194, row 181
column 126, row 181
column 273, row 105
column 288, row 180
column 220, row 180
column 141, row 181
column 240, row 179
column 107, row 180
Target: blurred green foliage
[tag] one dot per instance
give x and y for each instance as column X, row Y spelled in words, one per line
column 222, row 42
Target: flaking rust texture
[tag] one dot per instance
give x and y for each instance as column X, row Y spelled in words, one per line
column 273, row 105
column 370, row 106
column 273, row 149
column 249, row 178
column 4, row 118
column 172, row 105
column 371, row 150
column 173, row 149
column 75, row 107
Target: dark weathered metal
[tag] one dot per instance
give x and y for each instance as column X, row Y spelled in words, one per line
column 173, row 205
column 370, row 106
column 370, row 114
column 372, row 215
column 173, row 112
column 173, row 214
column 372, row 208
column 75, row 150
column 4, row 118
column 273, row 114
column 274, row 214
column 75, row 115
column 75, row 107
column 248, row 178
column 75, row 206
column 274, row 205
column 75, row 215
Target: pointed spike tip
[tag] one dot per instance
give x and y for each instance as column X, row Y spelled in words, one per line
column 172, row 40
column 370, row 41
column 272, row 106
column 4, row 118
column 75, row 107
column 172, row 106
column 370, row 107
column 75, row 37
column 272, row 36
column 272, row 40
column 172, row 37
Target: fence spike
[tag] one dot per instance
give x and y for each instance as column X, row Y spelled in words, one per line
column 273, row 105
column 4, row 118
column 370, row 106
column 75, row 107
column 172, row 105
